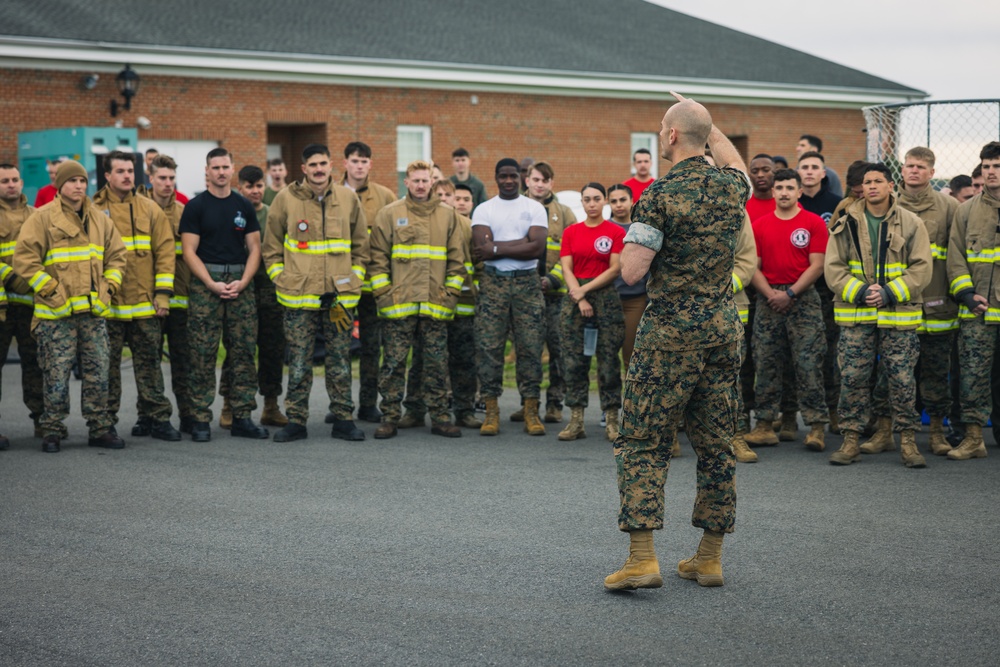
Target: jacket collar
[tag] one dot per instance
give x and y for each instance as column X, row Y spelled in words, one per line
column 989, row 200
column 919, row 202
column 362, row 188
column 422, row 207
column 21, row 203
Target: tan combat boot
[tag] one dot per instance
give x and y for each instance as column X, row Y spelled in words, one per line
column 226, row 416
column 972, row 447
column 789, row 429
column 641, row 569
column 815, row 440
column 882, row 441
column 742, row 452
column 939, row 445
column 705, row 566
column 517, row 415
column 908, row 452
column 762, row 434
column 675, row 449
column 411, row 420
column 553, row 415
column 574, row 430
column 491, row 423
column 532, row 423
column 272, row 415
column 612, row 427
column 848, row 452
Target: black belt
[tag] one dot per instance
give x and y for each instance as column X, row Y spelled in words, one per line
column 493, row 271
column 225, row 268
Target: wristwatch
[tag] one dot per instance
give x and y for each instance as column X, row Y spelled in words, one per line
column 790, row 293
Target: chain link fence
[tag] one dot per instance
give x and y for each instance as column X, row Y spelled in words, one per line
column 955, row 131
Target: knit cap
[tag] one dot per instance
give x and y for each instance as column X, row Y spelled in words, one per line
column 68, row 170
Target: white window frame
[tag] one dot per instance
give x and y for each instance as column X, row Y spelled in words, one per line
column 651, row 142
column 404, row 156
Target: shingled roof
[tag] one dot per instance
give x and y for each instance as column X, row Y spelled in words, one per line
column 627, row 37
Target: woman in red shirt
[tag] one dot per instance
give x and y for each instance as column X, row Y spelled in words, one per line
column 590, row 257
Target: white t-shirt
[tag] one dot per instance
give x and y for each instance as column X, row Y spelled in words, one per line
column 509, row 220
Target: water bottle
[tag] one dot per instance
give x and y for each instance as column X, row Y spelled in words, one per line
column 589, row 337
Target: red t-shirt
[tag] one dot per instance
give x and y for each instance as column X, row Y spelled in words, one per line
column 784, row 246
column 591, row 247
column 761, row 207
column 637, row 187
column 45, row 195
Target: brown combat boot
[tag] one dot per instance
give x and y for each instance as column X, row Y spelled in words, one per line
column 815, row 440
column 574, row 430
column 411, row 420
column 272, row 415
column 789, row 429
column 468, row 420
column 532, row 423
column 762, row 434
column 939, row 445
column 675, row 449
column 742, row 452
column 517, row 415
column 612, row 426
column 705, row 566
column 848, row 452
column 553, row 415
column 972, row 447
column 908, row 452
column 641, row 569
column 226, row 416
column 491, row 423
column 882, row 441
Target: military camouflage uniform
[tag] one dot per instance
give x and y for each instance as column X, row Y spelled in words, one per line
column 687, row 357
column 144, row 338
column 301, row 327
column 370, row 337
column 428, row 382
column 461, row 360
column 517, row 304
column 560, row 216
column 610, row 333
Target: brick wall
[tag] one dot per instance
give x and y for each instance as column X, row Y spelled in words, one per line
column 584, row 138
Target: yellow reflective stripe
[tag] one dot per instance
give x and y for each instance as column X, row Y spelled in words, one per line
column 552, row 245
column 177, row 248
column 5, row 270
column 939, row 251
column 38, row 280
column 900, row 319
column 986, row 255
column 127, row 312
column 470, row 268
column 938, row 326
column 900, row 289
column 75, row 304
column 465, row 310
column 366, row 286
column 424, row 308
column 164, row 281
column 894, row 270
column 454, row 282
column 3, row 296
column 379, row 281
column 851, row 289
column 855, row 315
column 991, row 315
column 737, row 284
column 348, row 300
column 7, row 248
column 962, row 282
column 359, row 271
column 744, row 315
column 419, row 251
column 23, row 299
column 856, row 267
column 297, row 300
column 140, row 242
column 324, row 247
column 113, row 275
column 180, row 302
column 74, row 254
column 275, row 270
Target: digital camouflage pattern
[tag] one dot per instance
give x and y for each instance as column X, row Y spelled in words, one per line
column 18, row 325
column 370, row 336
column 831, row 368
column 663, row 388
column 860, row 348
column 270, row 342
column 556, row 393
column 175, row 327
column 610, row 335
column 144, row 338
column 742, row 412
column 978, row 348
column 461, row 361
column 795, row 341
column 933, row 368
column 301, row 327
column 60, row 343
column 431, row 337
column 517, row 305
column 210, row 319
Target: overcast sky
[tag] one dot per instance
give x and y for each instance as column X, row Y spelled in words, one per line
column 947, row 49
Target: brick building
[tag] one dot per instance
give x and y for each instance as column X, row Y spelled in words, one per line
column 417, row 79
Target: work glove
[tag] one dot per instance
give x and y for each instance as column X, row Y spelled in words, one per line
column 341, row 318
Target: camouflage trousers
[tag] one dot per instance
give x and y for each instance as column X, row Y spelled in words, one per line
column 933, row 367
column 792, row 340
column 860, row 347
column 610, row 334
column 175, row 327
column 144, row 338
column 748, row 371
column 556, row 393
column 516, row 304
column 270, row 343
column 370, row 334
column 742, row 414
column 300, row 328
column 663, row 388
column 398, row 336
column 461, row 358
column 60, row 343
column 210, row 320
column 978, row 348
column 18, row 325
column 831, row 365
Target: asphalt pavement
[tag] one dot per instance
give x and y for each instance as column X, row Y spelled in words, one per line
column 423, row 550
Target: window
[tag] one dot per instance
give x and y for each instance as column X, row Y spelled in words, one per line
column 651, row 142
column 413, row 142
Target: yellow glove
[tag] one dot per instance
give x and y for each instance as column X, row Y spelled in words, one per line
column 341, row 318
column 47, row 289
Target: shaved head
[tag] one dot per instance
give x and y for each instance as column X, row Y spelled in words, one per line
column 692, row 121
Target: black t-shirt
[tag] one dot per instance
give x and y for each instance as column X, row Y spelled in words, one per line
column 222, row 225
column 823, row 204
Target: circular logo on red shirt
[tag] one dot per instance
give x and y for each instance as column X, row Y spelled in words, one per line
column 800, row 238
column 603, row 245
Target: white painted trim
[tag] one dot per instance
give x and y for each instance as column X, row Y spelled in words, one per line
column 16, row 52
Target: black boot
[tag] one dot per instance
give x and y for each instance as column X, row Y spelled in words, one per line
column 369, row 414
column 201, row 431
column 345, row 429
column 164, row 431
column 142, row 428
column 245, row 428
column 291, row 431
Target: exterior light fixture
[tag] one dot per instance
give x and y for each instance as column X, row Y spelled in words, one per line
column 128, row 85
